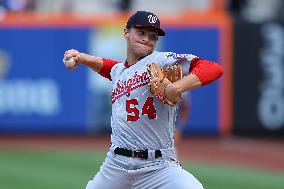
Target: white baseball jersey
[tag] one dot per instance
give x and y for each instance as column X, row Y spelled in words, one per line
column 139, row 119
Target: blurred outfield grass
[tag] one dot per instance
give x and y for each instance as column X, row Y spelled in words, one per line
column 72, row 170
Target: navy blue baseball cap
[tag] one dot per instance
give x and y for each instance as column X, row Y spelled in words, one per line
column 145, row 19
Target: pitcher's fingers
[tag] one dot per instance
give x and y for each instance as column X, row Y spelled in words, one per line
column 71, row 54
column 77, row 57
column 73, row 67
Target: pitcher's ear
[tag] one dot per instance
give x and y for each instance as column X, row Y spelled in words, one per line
column 126, row 33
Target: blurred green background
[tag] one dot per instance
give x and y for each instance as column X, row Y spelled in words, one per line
column 68, row 169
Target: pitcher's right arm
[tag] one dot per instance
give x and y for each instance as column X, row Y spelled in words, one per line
column 100, row 65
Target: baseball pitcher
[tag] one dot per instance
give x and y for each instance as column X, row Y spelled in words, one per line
column 145, row 91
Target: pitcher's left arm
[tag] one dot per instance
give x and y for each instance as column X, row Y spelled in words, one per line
column 201, row 72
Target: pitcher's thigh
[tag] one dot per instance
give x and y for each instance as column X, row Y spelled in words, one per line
column 117, row 181
column 97, row 182
column 169, row 178
column 176, row 177
column 110, row 176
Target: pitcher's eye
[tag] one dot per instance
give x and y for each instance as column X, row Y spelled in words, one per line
column 140, row 32
column 153, row 37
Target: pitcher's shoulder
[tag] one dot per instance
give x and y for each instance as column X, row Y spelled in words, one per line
column 117, row 69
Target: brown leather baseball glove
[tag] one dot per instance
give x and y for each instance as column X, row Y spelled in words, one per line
column 160, row 78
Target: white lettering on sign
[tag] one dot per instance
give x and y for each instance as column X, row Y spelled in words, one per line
column 29, row 97
column 271, row 102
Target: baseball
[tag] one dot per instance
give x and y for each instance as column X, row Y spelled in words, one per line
column 70, row 62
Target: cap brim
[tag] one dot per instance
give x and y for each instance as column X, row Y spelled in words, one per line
column 159, row 30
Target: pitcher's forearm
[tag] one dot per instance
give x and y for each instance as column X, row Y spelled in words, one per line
column 187, row 83
column 93, row 62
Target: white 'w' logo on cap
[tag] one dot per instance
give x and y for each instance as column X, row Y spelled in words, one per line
column 152, row 19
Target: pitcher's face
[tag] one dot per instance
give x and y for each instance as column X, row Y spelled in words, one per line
column 141, row 41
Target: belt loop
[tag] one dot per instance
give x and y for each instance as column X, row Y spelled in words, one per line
column 151, row 154
column 112, row 148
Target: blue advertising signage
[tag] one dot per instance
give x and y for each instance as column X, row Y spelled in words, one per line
column 37, row 93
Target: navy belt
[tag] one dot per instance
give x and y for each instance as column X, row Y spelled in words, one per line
column 141, row 154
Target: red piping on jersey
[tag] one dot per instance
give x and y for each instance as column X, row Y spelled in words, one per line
column 205, row 70
column 106, row 68
column 126, row 64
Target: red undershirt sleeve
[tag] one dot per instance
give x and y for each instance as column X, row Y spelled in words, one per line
column 106, row 69
column 205, row 70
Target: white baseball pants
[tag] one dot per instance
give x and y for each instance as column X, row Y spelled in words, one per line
column 120, row 172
